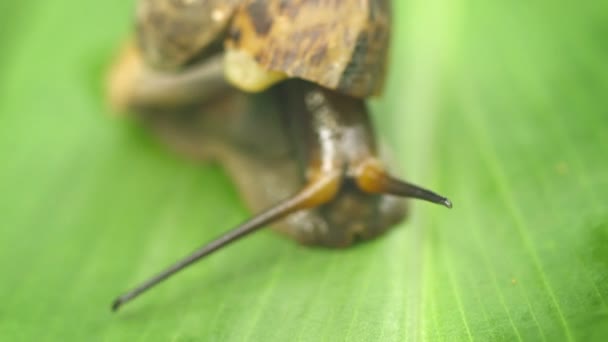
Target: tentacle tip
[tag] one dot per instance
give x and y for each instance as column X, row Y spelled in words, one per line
column 116, row 304
column 447, row 203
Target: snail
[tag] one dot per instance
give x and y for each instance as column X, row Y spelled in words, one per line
column 275, row 91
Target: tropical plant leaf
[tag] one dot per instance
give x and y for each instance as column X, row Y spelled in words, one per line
column 500, row 105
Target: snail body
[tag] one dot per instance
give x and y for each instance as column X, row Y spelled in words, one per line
column 275, row 90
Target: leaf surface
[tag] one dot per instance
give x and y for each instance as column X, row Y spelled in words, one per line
column 500, row 105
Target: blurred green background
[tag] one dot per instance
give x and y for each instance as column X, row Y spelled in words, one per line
column 501, row 105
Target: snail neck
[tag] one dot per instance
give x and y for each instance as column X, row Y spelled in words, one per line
column 330, row 130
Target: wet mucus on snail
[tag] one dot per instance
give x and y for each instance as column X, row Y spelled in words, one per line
column 275, row 91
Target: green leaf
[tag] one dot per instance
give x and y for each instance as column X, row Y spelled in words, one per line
column 500, row 105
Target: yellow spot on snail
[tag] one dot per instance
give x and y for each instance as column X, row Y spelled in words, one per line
column 242, row 71
column 122, row 78
column 218, row 15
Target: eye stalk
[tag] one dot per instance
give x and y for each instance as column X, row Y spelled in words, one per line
column 371, row 178
column 316, row 193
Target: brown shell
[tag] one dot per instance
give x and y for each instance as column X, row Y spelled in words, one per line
column 170, row 33
column 339, row 44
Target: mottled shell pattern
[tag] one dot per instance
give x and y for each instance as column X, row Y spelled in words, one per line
column 339, row 44
column 171, row 33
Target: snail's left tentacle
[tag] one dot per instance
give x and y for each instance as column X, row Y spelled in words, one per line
column 324, row 179
column 371, row 177
column 317, row 192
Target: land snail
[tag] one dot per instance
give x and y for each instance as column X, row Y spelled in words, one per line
column 275, row 91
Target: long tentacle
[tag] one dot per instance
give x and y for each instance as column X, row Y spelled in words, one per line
column 317, row 192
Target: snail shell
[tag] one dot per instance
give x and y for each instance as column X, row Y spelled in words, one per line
column 171, row 33
column 338, row 44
